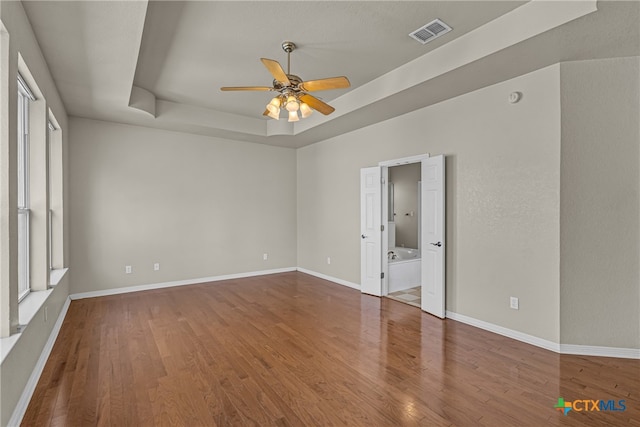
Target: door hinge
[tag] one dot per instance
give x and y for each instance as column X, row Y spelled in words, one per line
column 382, row 275
column 381, row 227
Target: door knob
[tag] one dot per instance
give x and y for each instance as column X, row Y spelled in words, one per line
column 437, row 244
column 363, row 236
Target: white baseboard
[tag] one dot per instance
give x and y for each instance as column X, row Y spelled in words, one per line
column 161, row 285
column 329, row 278
column 591, row 350
column 583, row 350
column 506, row 332
column 30, row 387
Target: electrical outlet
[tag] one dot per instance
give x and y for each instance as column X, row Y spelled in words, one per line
column 127, row 269
column 265, row 257
column 328, row 260
column 156, row 266
column 514, row 303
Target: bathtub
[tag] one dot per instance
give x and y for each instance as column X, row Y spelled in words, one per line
column 404, row 270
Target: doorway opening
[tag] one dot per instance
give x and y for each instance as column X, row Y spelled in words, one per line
column 403, row 234
column 381, row 241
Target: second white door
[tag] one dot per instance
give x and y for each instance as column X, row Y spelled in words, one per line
column 432, row 239
column 370, row 229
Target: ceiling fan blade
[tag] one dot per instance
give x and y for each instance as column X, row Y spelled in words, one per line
column 316, row 104
column 325, row 84
column 260, row 88
column 276, row 71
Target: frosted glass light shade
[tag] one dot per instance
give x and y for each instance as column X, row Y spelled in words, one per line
column 292, row 104
column 275, row 113
column 305, row 110
column 273, row 107
column 275, row 102
column 293, row 116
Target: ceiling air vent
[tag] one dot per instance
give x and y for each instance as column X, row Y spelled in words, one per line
column 431, row 31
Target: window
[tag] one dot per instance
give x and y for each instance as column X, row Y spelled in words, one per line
column 24, row 98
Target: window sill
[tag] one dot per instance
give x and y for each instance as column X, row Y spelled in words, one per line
column 27, row 309
column 55, row 276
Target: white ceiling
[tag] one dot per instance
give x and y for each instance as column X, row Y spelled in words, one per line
column 179, row 53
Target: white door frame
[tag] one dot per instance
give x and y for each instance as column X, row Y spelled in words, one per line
column 384, row 243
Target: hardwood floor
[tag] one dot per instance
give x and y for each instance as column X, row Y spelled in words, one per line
column 292, row 350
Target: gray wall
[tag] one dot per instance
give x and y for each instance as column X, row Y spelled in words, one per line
column 600, row 187
column 197, row 205
column 405, row 194
column 503, row 198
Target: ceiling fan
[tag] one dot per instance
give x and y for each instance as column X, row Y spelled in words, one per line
column 293, row 92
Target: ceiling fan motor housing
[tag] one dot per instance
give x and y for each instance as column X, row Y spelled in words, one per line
column 293, row 79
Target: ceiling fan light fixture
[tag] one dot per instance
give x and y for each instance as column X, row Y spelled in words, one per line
column 305, row 110
column 293, row 116
column 292, row 104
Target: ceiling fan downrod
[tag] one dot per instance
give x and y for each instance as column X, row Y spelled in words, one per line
column 288, row 47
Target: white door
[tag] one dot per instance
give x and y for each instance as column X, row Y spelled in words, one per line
column 370, row 231
column 433, row 244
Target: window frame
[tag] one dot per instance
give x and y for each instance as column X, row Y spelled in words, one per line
column 25, row 96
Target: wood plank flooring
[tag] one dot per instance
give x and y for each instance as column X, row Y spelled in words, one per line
column 292, row 350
